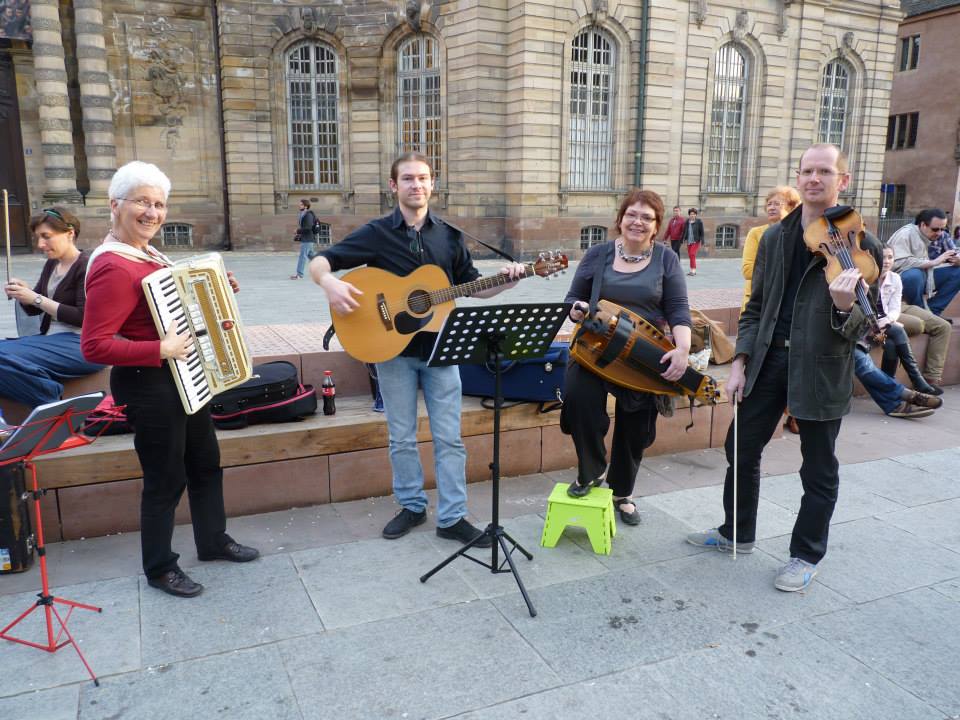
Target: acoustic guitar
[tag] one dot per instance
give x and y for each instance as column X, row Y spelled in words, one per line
column 393, row 309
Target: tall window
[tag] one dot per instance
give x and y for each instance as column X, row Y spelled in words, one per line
column 592, row 65
column 418, row 98
column 726, row 120
column 312, row 99
column 592, row 235
column 834, row 100
column 909, row 53
column 726, row 236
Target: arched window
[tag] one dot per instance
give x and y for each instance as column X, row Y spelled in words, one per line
column 176, row 235
column 418, row 98
column 592, row 235
column 727, row 237
column 592, row 92
column 313, row 104
column 834, row 101
column 730, row 83
column 323, row 236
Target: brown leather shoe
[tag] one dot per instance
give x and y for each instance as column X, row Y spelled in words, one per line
column 176, row 582
column 906, row 410
column 924, row 400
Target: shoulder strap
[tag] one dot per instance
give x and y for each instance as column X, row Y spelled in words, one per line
column 598, row 276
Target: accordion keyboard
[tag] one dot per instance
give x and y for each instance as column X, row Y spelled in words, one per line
column 196, row 297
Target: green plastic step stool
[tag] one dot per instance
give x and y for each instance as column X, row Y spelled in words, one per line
column 593, row 512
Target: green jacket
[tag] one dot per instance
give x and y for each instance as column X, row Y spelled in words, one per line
column 820, row 376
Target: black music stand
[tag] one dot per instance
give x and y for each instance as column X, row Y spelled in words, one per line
column 50, row 428
column 493, row 335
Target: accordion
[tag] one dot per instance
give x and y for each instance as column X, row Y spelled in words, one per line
column 196, row 297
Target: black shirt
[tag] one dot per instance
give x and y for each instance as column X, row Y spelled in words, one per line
column 389, row 244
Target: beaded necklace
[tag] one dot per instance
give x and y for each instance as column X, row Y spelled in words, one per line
column 634, row 258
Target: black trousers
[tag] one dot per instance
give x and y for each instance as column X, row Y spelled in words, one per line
column 759, row 414
column 675, row 245
column 584, row 417
column 176, row 451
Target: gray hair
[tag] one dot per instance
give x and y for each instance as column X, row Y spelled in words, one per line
column 138, row 174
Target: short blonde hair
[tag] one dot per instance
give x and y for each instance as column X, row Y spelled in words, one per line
column 789, row 196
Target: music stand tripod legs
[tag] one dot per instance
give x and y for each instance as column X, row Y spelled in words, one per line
column 487, row 332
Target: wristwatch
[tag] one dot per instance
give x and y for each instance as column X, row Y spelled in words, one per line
column 38, row 300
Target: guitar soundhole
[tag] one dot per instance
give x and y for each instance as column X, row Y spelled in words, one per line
column 418, row 301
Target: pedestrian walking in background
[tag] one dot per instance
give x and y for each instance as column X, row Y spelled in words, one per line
column 693, row 236
column 306, row 236
column 674, row 232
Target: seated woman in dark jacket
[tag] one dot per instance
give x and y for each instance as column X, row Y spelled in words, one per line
column 640, row 275
column 33, row 368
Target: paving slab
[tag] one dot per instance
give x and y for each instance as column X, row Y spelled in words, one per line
column 244, row 685
column 429, row 665
column 939, row 462
column 741, row 592
column 868, row 559
column 620, row 620
column 785, row 674
column 702, row 508
column 523, row 495
column 630, row 695
column 366, row 518
column 855, row 500
column 936, row 522
column 567, row 561
column 660, row 536
column 242, row 605
column 921, row 656
column 950, row 589
column 370, row 580
column 56, row 704
column 904, row 480
column 110, row 640
column 695, row 468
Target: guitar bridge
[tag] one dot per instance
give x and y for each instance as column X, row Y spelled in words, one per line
column 384, row 312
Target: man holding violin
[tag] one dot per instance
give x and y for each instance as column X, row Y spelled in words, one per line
column 795, row 347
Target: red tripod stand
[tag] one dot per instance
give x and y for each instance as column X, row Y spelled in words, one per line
column 46, row 435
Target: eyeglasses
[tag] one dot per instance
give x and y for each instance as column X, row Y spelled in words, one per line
column 824, row 172
column 56, row 214
column 146, row 204
column 632, row 217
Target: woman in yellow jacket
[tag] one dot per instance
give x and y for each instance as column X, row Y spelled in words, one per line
column 780, row 201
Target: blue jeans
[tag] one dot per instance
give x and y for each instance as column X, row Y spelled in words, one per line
column 306, row 248
column 399, row 380
column 885, row 391
column 33, row 368
column 946, row 278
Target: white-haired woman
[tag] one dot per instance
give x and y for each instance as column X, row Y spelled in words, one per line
column 176, row 450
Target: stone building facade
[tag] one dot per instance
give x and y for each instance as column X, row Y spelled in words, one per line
column 540, row 114
column 922, row 162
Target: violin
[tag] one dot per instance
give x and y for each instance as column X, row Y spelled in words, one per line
column 838, row 237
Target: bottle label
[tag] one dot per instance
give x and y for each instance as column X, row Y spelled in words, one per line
column 329, row 391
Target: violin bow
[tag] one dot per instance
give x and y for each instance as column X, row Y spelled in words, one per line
column 6, row 228
column 736, row 442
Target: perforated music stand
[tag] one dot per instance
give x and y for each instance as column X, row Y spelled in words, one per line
column 493, row 335
column 50, row 428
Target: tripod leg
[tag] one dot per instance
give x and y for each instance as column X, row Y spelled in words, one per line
column 517, row 545
column 458, row 553
column 71, row 641
column 513, row 569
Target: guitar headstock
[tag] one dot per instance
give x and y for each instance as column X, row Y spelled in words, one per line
column 550, row 263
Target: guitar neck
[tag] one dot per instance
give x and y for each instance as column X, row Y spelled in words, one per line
column 473, row 287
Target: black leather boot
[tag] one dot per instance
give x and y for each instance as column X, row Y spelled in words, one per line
column 913, row 372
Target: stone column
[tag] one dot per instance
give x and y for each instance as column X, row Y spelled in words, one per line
column 56, row 130
column 95, row 98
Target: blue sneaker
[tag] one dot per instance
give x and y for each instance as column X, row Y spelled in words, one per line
column 713, row 539
column 795, row 575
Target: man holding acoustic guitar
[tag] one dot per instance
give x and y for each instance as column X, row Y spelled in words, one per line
column 407, row 240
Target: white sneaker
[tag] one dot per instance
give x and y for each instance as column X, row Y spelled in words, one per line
column 795, row 575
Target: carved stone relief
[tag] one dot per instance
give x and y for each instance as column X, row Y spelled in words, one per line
column 310, row 20
column 741, row 25
column 782, row 18
column 699, row 12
